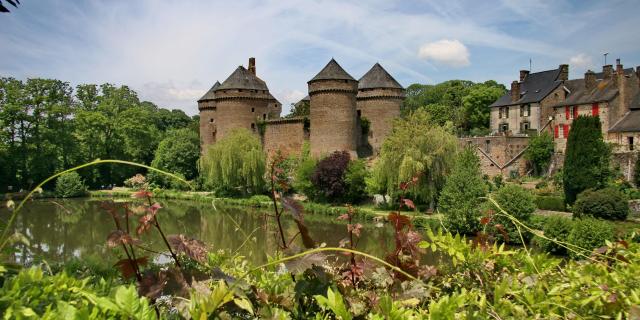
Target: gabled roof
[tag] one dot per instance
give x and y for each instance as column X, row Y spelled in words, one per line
column 210, row 95
column 604, row 90
column 241, row 78
column 535, row 87
column 630, row 122
column 332, row 71
column 378, row 77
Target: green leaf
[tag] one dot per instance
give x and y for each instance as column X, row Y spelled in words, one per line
column 244, row 304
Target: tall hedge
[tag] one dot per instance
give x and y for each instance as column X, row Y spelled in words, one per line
column 460, row 198
column 586, row 162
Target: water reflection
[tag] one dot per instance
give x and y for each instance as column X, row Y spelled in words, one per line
column 59, row 230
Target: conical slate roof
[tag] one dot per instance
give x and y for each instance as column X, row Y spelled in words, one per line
column 378, row 77
column 332, row 71
column 210, row 95
column 241, row 78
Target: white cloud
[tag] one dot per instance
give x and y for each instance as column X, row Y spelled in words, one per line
column 447, row 52
column 581, row 61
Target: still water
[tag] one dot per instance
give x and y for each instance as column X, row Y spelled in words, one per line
column 60, row 230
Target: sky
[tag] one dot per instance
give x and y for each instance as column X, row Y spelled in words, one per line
column 171, row 52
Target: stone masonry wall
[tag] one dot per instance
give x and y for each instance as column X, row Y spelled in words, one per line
column 499, row 154
column 380, row 107
column 285, row 135
column 333, row 117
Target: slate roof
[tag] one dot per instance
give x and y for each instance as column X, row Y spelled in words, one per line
column 604, row 90
column 630, row 122
column 241, row 78
column 535, row 87
column 627, row 71
column 210, row 95
column 332, row 71
column 378, row 77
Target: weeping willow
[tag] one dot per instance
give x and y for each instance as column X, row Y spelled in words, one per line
column 235, row 164
column 416, row 147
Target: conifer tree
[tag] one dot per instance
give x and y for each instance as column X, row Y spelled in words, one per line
column 460, row 199
column 586, row 162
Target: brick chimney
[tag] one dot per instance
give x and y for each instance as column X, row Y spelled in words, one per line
column 619, row 68
column 515, row 91
column 607, row 71
column 564, row 72
column 252, row 65
column 590, row 80
column 523, row 74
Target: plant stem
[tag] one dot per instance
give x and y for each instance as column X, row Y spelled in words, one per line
column 175, row 257
column 275, row 206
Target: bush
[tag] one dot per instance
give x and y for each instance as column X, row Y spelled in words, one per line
column 178, row 153
column 553, row 203
column 539, row 152
column 636, row 174
column 589, row 234
column 137, row 182
column 355, row 179
column 460, row 199
column 70, row 185
column 519, row 203
column 558, row 228
column 302, row 180
column 586, row 163
column 608, row 204
column 498, row 181
column 328, row 177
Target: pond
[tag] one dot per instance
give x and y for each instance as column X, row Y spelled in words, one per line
column 60, row 230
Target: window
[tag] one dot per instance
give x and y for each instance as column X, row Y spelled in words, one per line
column 525, row 126
column 264, row 116
column 253, row 126
column 525, row 110
column 595, row 109
column 253, row 109
column 630, row 140
column 504, row 127
column 486, row 145
column 359, row 113
column 211, row 120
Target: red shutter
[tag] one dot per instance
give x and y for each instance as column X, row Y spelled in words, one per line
column 566, row 112
column 565, row 130
column 595, row 109
column 575, row 112
column 556, row 133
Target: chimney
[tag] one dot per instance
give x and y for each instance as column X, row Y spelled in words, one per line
column 607, row 71
column 523, row 74
column 252, row 65
column 590, row 80
column 515, row 91
column 619, row 68
column 638, row 74
column 564, row 72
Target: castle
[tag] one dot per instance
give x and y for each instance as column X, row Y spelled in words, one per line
column 338, row 105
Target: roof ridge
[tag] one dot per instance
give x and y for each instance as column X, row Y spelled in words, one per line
column 241, row 78
column 378, row 77
column 332, row 71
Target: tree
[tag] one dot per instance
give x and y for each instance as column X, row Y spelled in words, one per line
column 539, row 152
column 235, row 164
column 460, row 198
column 418, row 148
column 586, row 163
column 328, row 177
column 517, row 202
column 476, row 104
column 177, row 153
column 300, row 109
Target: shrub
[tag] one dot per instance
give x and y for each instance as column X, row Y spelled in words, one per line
column 137, row 182
column 355, row 179
column 636, row 174
column 498, row 181
column 519, row 203
column 558, row 228
column 70, row 185
column 608, row 204
column 235, row 164
column 328, row 177
column 539, row 152
column 302, row 180
column 586, row 163
column 589, row 234
column 460, row 199
column 554, row 203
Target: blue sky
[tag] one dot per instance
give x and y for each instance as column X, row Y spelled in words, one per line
column 171, row 52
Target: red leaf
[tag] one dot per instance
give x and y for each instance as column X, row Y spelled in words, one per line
column 154, row 208
column 503, row 232
column 195, row 249
column 409, row 203
column 484, row 221
column 127, row 268
column 398, row 220
column 294, row 207
column 152, row 284
column 118, row 237
column 343, row 217
column 355, row 228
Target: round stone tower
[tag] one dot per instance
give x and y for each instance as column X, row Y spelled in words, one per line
column 333, row 124
column 207, row 107
column 241, row 101
column 379, row 99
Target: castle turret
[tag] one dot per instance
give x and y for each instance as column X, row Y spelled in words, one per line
column 378, row 100
column 333, row 123
column 207, row 107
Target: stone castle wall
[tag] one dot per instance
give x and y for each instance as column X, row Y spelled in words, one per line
column 333, row 116
column 499, row 155
column 284, row 135
column 239, row 109
column 380, row 107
